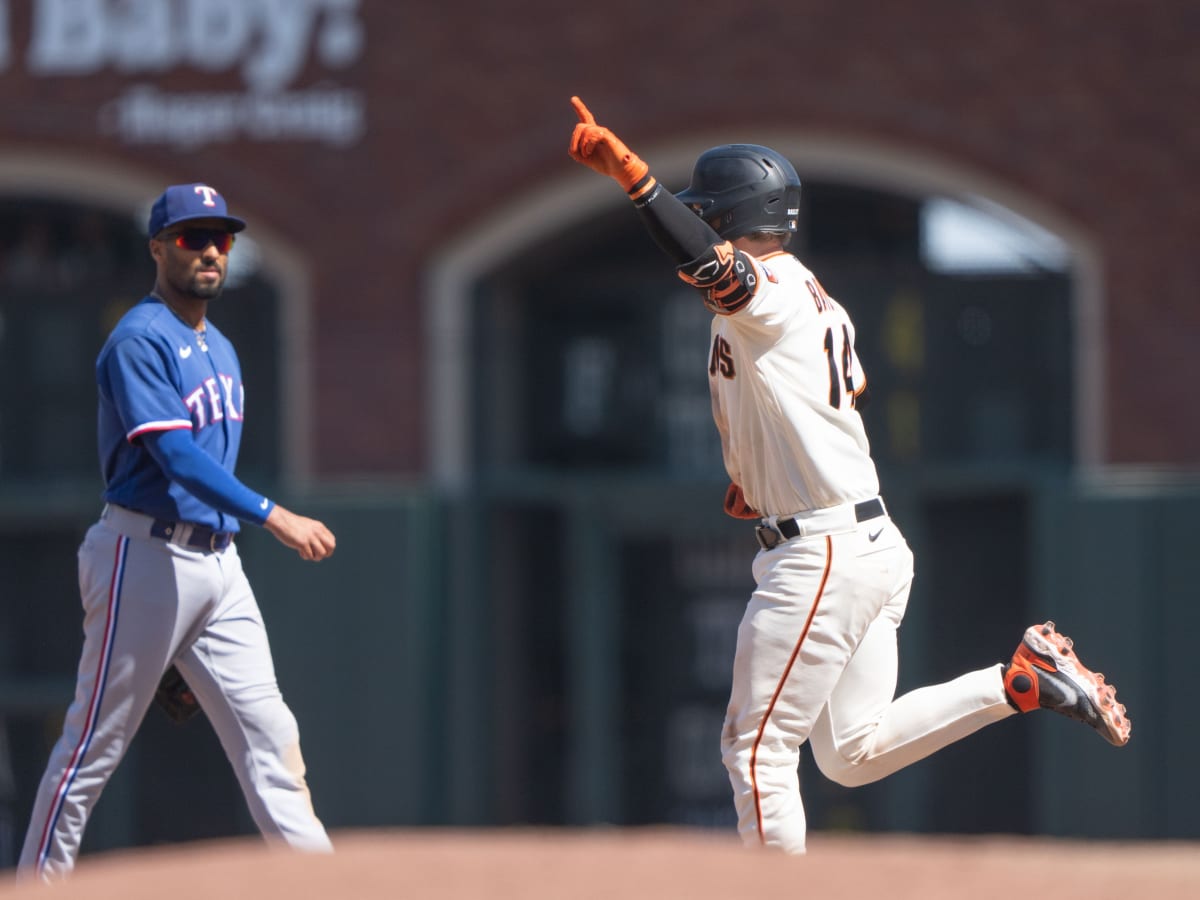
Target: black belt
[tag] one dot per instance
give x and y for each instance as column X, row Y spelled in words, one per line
column 202, row 537
column 868, row 509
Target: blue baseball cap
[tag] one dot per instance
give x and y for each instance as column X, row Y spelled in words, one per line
column 181, row 202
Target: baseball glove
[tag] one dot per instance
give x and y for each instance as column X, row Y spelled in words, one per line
column 736, row 505
column 175, row 697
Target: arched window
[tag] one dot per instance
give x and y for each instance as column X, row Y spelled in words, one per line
column 570, row 416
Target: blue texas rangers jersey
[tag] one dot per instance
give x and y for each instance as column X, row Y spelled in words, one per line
column 155, row 373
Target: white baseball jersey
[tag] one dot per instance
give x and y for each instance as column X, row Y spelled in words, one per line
column 784, row 380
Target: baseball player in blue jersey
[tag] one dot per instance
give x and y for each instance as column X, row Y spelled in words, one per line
column 159, row 574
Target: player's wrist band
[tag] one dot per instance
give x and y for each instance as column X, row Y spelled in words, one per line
column 642, row 187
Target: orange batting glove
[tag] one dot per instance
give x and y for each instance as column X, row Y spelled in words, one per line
column 599, row 149
column 736, row 505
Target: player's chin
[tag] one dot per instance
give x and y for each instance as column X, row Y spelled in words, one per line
column 207, row 277
column 206, row 288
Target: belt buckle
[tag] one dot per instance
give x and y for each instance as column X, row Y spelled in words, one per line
column 768, row 537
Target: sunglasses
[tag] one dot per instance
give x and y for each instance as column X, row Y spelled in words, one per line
column 197, row 239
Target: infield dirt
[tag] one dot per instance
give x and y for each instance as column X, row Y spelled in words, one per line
column 628, row 864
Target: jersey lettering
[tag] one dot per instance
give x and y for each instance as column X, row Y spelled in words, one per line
column 230, row 406
column 214, row 397
column 721, row 359
column 219, row 394
column 820, row 298
column 196, row 407
column 844, row 378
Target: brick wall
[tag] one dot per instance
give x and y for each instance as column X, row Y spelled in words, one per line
column 1089, row 107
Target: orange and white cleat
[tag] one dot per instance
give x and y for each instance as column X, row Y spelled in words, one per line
column 1045, row 673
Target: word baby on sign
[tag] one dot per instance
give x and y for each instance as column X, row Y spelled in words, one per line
column 267, row 42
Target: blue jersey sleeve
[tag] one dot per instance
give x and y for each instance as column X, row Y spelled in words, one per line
column 138, row 385
column 188, row 465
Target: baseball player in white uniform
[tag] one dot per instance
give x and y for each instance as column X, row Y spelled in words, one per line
column 816, row 656
column 161, row 581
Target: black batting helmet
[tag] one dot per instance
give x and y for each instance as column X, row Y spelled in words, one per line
column 743, row 188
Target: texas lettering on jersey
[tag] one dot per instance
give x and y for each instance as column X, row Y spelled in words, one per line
column 215, row 399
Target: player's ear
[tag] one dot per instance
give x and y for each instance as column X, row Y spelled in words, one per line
column 157, row 250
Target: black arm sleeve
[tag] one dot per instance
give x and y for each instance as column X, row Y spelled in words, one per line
column 682, row 234
column 722, row 273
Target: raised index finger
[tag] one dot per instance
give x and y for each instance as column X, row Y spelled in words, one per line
column 585, row 115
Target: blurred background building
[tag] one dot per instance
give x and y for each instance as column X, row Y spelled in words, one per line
column 464, row 354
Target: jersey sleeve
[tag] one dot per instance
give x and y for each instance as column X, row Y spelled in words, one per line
column 140, row 385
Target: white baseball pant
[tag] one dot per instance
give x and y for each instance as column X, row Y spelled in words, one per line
column 817, row 660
